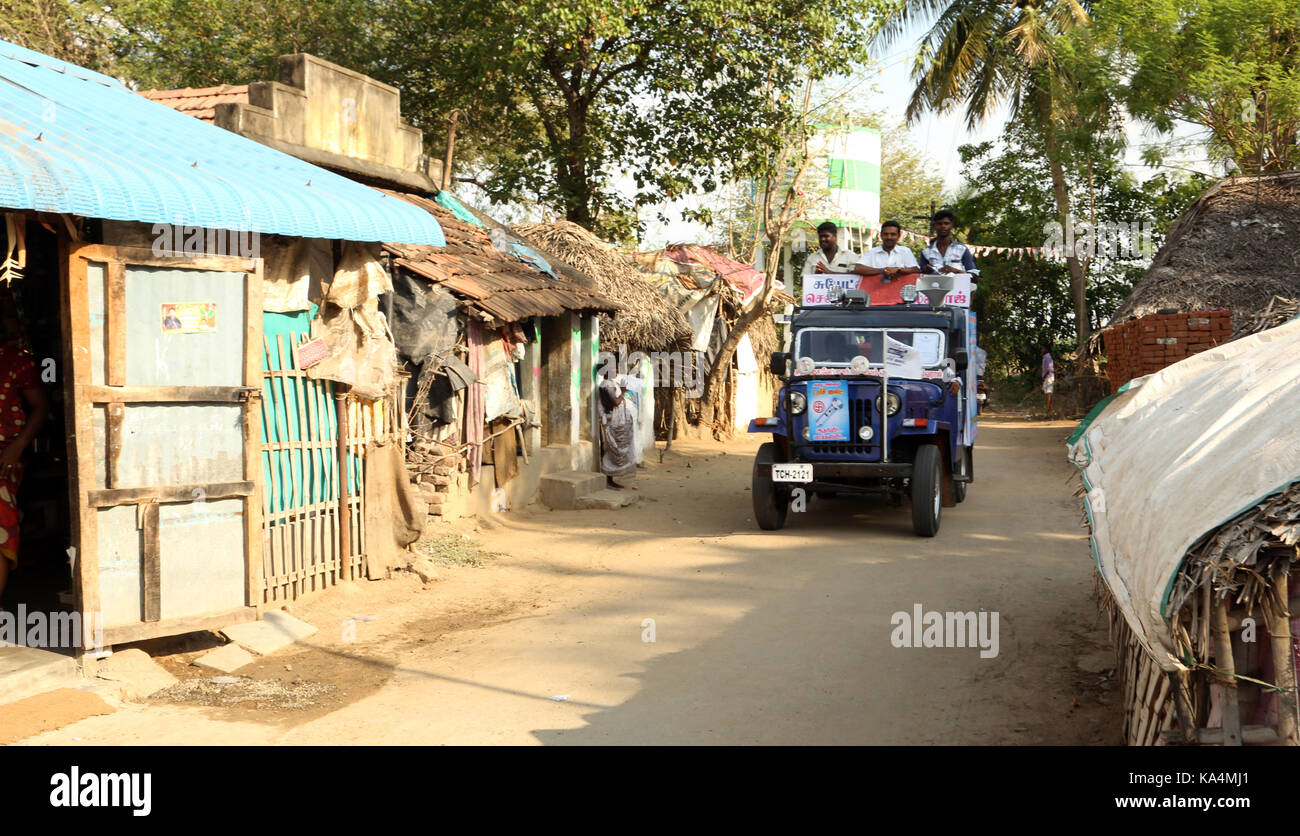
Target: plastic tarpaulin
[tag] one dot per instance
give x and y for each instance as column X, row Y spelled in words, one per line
column 1177, row 454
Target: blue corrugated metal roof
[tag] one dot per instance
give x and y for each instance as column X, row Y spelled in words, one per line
column 75, row 141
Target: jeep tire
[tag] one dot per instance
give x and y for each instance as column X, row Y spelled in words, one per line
column 927, row 476
column 771, row 503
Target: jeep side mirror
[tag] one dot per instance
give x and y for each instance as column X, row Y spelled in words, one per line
column 962, row 357
column 779, row 361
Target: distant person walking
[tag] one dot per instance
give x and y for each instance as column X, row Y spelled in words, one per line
column 1049, row 377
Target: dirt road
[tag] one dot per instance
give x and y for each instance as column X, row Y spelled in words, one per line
column 758, row 637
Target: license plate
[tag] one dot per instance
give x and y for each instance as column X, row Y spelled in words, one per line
column 792, row 473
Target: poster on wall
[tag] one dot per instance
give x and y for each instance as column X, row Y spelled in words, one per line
column 828, row 410
column 189, row 317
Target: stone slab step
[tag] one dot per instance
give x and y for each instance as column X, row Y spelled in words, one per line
column 561, row 490
column 607, row 500
column 28, row 671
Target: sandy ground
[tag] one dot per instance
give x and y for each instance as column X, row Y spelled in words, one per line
column 758, row 637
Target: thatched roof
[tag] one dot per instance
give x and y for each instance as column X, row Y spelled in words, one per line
column 647, row 321
column 1234, row 248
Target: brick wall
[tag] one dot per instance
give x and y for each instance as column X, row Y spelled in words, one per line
column 1145, row 346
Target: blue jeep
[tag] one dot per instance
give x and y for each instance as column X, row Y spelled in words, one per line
column 849, row 422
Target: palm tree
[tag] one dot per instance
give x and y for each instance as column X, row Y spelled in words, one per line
column 983, row 53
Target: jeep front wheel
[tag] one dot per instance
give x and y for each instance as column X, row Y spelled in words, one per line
column 771, row 503
column 927, row 475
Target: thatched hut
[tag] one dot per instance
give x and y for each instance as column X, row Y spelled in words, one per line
column 1232, row 249
column 1224, row 272
column 647, row 321
column 697, row 277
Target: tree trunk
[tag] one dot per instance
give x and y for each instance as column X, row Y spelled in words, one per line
column 722, row 363
column 1061, row 193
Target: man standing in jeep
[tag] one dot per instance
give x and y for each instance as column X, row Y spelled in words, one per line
column 829, row 258
column 890, row 259
column 945, row 254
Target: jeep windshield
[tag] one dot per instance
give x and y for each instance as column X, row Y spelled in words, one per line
column 836, row 347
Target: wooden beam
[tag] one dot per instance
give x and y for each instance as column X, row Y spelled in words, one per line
column 1225, row 663
column 115, row 322
column 146, row 258
column 114, row 414
column 171, row 493
column 167, row 394
column 176, row 626
column 1279, row 635
column 251, row 414
column 78, row 430
column 151, row 562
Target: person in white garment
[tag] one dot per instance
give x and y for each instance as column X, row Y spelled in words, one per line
column 829, row 257
column 890, row 259
column 618, row 427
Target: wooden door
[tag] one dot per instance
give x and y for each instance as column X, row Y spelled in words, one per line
column 163, row 387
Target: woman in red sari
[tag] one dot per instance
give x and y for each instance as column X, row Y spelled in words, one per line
column 23, row 409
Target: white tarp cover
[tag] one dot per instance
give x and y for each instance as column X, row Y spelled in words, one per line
column 1177, row 454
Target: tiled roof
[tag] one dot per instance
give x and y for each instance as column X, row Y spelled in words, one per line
column 498, row 284
column 199, row 102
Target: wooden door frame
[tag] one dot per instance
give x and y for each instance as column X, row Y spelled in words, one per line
column 81, row 396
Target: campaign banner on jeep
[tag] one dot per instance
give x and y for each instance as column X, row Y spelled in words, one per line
column 817, row 287
column 828, row 410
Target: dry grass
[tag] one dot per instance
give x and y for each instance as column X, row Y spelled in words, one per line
column 1232, row 249
column 648, row 321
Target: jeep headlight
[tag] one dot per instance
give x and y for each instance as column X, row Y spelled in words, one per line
column 798, row 403
column 865, row 432
column 895, row 403
column 908, row 293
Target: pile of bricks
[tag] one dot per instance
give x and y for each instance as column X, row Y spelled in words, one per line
column 433, row 468
column 1146, row 345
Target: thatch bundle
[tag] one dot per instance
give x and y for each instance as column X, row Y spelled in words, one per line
column 648, row 321
column 1232, row 249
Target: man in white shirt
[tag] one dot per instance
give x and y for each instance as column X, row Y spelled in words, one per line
column 890, row 259
column 829, row 258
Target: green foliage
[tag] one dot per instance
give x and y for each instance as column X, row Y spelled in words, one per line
column 555, row 99
column 71, row 30
column 1232, row 66
column 201, row 43
column 1007, row 200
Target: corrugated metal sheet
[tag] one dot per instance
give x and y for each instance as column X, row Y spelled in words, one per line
column 74, row 141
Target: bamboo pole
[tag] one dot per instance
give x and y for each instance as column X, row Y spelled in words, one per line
column 1279, row 632
column 1226, row 665
column 345, row 529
